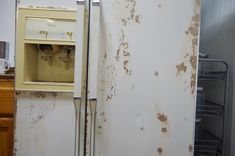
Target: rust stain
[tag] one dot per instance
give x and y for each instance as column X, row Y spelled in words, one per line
column 138, row 19
column 160, row 150
column 118, row 54
column 193, row 83
column 128, row 71
column 164, row 130
column 111, row 94
column 124, row 49
column 162, row 117
column 193, row 31
column 190, row 148
column 41, row 95
column 181, row 67
column 193, row 61
column 126, row 53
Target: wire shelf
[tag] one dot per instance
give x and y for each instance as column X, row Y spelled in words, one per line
column 207, row 143
column 209, row 109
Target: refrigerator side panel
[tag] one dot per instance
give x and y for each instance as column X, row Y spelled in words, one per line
column 44, row 124
column 148, row 52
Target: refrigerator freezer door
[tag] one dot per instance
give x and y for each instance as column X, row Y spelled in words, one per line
column 146, row 77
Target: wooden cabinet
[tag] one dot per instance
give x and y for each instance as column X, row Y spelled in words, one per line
column 6, row 116
column 6, row 97
column 6, row 136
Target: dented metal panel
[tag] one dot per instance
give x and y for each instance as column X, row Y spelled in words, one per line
column 147, row 77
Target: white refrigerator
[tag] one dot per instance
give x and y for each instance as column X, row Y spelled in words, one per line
column 135, row 84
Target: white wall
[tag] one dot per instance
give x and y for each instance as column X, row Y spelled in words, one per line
column 7, row 26
column 218, row 39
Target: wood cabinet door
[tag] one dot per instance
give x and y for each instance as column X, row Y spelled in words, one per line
column 6, row 97
column 6, row 136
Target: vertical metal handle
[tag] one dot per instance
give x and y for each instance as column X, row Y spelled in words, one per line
column 80, row 29
column 93, row 68
column 78, row 103
column 93, row 104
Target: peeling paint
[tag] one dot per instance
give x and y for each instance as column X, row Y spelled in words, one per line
column 181, row 67
column 162, row 117
column 193, row 31
column 124, row 49
column 193, row 61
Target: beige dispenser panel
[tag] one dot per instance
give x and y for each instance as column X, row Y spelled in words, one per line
column 50, row 29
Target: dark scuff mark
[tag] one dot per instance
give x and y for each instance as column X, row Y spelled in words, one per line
column 162, row 117
column 111, row 94
column 181, row 67
column 164, row 130
column 133, row 86
column 102, row 114
column 110, row 81
column 156, row 73
column 17, row 92
column 105, row 55
column 40, row 117
column 190, row 148
column 54, row 94
column 124, row 22
column 160, row 150
column 187, row 55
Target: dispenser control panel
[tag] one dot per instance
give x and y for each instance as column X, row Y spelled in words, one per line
column 50, row 29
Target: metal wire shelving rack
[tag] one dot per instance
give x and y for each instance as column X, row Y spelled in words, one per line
column 206, row 143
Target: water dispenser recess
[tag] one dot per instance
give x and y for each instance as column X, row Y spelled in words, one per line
column 45, row 54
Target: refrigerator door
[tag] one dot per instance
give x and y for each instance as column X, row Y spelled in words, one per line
column 145, row 80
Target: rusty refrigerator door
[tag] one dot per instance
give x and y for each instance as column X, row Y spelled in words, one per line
column 142, row 77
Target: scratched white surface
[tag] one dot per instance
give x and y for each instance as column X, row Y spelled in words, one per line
column 135, row 85
column 44, row 125
column 141, row 43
